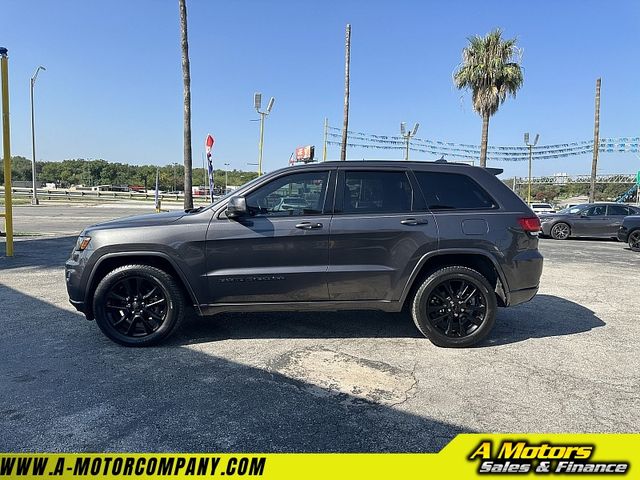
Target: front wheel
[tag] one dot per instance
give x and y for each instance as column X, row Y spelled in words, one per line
column 454, row 307
column 138, row 305
column 560, row 231
column 634, row 241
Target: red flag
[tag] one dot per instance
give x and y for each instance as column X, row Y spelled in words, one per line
column 208, row 143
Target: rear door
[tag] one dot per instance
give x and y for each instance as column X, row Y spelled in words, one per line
column 615, row 215
column 379, row 231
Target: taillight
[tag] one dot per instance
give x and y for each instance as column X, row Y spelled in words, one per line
column 530, row 224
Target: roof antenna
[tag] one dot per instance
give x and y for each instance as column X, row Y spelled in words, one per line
column 441, row 159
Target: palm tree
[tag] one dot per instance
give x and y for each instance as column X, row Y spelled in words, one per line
column 186, row 81
column 491, row 69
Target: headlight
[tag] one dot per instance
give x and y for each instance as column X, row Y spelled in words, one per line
column 82, row 242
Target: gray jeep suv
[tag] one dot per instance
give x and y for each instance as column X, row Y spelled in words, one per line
column 447, row 242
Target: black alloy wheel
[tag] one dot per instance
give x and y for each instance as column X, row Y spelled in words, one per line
column 455, row 307
column 634, row 241
column 138, row 305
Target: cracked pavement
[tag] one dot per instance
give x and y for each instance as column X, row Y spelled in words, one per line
column 346, row 381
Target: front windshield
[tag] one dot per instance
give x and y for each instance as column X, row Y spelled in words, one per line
column 571, row 210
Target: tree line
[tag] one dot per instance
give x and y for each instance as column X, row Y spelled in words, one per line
column 100, row 172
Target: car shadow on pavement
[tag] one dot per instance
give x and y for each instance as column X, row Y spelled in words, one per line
column 42, row 252
column 544, row 316
column 65, row 387
column 345, row 324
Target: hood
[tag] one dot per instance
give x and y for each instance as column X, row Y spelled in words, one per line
column 147, row 220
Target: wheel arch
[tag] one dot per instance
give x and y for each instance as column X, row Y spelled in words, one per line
column 111, row 261
column 478, row 260
column 566, row 222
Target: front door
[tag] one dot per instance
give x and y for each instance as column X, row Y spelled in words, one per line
column 591, row 222
column 379, row 231
column 278, row 253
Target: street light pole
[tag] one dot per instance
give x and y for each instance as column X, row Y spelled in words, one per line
column 530, row 145
column 226, row 178
column 257, row 102
column 407, row 135
column 34, row 199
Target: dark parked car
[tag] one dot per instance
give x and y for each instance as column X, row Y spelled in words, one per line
column 586, row 220
column 630, row 232
column 448, row 242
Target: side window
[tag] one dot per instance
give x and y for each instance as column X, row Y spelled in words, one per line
column 453, row 191
column 292, row 195
column 618, row 210
column 377, row 192
column 596, row 211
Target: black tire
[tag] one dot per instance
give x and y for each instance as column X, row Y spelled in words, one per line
column 634, row 240
column 440, row 301
column 560, row 231
column 138, row 319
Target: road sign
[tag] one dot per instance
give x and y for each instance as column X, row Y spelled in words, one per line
column 638, row 178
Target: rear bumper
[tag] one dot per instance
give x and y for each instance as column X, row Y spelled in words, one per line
column 523, row 276
column 79, row 305
column 521, row 296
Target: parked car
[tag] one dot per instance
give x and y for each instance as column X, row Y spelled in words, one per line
column 448, row 242
column 586, row 220
column 542, row 208
column 290, row 203
column 630, row 232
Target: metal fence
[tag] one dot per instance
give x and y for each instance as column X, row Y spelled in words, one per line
column 62, row 194
column 562, row 179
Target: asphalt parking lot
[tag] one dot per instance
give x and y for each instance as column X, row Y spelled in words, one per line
column 360, row 381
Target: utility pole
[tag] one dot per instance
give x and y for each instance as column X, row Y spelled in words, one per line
column 226, row 178
column 345, row 121
column 596, row 144
column 530, row 145
column 6, row 147
column 34, row 199
column 257, row 101
column 324, row 145
column 407, row 135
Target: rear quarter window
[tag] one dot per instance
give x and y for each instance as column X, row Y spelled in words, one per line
column 453, row 191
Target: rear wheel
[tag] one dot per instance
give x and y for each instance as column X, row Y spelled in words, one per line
column 634, row 241
column 454, row 307
column 138, row 305
column 560, row 231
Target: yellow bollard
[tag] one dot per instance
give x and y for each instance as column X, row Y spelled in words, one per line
column 8, row 210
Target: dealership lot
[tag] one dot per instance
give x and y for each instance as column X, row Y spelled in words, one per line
column 356, row 381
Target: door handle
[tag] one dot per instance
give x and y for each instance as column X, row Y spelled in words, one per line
column 308, row 225
column 413, row 221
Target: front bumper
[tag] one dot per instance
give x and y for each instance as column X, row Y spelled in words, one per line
column 521, row 296
column 73, row 275
column 623, row 234
column 545, row 227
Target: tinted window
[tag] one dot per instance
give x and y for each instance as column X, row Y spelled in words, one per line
column 291, row 195
column 595, row 211
column 377, row 192
column 618, row 210
column 453, row 191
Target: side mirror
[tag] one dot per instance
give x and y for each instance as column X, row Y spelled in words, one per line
column 237, row 207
